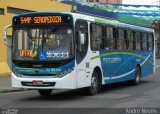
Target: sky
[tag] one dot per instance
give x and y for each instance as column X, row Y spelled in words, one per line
column 141, row 2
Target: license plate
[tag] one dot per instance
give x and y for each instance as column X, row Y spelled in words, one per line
column 37, row 82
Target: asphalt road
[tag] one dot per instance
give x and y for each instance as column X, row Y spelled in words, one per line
column 123, row 95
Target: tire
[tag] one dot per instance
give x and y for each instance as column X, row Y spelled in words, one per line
column 94, row 88
column 137, row 78
column 45, row 92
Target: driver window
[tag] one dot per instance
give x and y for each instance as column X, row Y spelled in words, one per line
column 81, row 40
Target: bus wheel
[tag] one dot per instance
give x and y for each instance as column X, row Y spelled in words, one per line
column 137, row 78
column 93, row 89
column 45, row 92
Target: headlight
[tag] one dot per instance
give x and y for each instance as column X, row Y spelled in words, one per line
column 17, row 74
column 60, row 75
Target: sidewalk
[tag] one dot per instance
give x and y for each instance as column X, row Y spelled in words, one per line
column 5, row 82
column 5, row 85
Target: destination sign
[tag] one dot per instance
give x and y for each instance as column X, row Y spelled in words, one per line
column 42, row 19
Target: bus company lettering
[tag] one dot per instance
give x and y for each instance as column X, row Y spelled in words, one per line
column 54, row 54
column 112, row 60
column 28, row 53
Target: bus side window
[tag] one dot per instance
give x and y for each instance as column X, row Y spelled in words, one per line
column 144, row 42
column 121, row 40
column 96, row 37
column 129, row 40
column 137, row 41
column 81, row 36
column 110, row 40
column 150, row 42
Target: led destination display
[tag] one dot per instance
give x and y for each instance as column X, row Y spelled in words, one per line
column 42, row 19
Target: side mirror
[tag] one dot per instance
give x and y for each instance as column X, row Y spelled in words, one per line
column 5, row 35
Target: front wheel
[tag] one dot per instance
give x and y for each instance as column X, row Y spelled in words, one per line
column 45, row 92
column 94, row 88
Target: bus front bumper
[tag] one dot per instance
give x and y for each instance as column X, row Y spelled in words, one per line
column 66, row 82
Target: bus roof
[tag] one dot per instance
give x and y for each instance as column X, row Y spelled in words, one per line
column 91, row 18
column 111, row 22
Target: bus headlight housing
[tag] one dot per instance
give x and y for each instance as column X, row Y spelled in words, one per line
column 17, row 73
column 62, row 74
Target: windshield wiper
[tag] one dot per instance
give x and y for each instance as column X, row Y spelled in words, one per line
column 42, row 40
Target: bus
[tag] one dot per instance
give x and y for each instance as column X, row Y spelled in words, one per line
column 59, row 50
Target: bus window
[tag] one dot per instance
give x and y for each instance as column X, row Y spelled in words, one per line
column 129, row 40
column 150, row 42
column 110, row 40
column 121, row 40
column 81, row 32
column 144, row 42
column 96, row 37
column 137, row 41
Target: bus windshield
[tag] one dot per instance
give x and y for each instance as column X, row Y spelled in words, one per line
column 49, row 44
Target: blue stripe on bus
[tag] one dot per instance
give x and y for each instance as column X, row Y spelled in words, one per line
column 44, row 70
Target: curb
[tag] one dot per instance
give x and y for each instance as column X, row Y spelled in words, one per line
column 13, row 90
column 5, row 74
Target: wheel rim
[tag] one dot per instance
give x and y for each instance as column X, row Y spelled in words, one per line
column 137, row 76
column 94, row 84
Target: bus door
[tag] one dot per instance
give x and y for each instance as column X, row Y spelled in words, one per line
column 82, row 57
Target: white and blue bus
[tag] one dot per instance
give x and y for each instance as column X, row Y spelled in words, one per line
column 69, row 51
